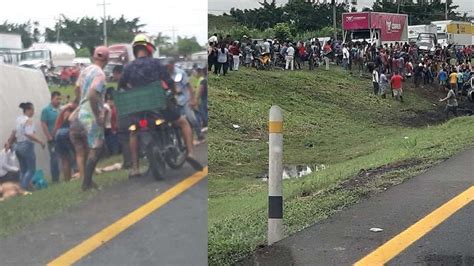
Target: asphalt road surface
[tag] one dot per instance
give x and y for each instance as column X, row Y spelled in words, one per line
column 175, row 234
column 345, row 238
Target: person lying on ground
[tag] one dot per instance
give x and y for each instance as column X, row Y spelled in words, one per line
column 11, row 189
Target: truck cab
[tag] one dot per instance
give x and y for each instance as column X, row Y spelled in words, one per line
column 47, row 55
column 36, row 59
column 427, row 42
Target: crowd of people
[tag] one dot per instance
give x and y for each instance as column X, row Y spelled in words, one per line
column 77, row 134
column 390, row 65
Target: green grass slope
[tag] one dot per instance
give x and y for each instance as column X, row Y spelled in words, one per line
column 330, row 118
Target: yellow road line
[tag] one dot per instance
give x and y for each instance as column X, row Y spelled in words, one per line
column 99, row 239
column 396, row 245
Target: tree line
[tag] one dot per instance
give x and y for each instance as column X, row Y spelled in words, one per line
column 299, row 18
column 83, row 34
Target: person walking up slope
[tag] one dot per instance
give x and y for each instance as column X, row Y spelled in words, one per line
column 396, row 81
column 451, row 102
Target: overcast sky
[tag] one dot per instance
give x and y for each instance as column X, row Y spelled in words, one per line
column 189, row 17
column 219, row 6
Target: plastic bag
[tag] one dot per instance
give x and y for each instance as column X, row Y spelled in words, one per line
column 8, row 161
column 39, row 181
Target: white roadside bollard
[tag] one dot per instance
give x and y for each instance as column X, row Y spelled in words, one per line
column 275, row 172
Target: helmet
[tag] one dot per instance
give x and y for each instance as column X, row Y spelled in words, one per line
column 143, row 40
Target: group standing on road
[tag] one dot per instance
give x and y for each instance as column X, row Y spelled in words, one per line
column 78, row 133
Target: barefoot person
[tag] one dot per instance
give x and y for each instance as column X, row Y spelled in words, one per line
column 87, row 125
column 64, row 147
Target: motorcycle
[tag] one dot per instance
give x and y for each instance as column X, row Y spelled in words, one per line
column 160, row 142
column 263, row 62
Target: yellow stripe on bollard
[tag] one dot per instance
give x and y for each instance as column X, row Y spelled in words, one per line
column 275, row 127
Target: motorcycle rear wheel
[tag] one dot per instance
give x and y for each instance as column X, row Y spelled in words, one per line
column 156, row 163
column 176, row 157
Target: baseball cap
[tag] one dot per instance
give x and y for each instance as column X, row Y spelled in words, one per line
column 101, row 53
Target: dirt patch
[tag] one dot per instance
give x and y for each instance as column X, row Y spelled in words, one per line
column 417, row 118
column 366, row 176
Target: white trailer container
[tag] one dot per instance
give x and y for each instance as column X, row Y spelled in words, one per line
column 415, row 30
column 48, row 54
column 453, row 32
column 10, row 48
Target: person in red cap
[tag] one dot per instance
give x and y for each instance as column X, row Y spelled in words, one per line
column 87, row 121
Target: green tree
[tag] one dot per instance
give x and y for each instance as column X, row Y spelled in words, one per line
column 420, row 13
column 29, row 31
column 87, row 32
column 282, row 31
column 187, row 46
column 83, row 52
column 162, row 40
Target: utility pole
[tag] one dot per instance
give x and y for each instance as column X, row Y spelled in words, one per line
column 446, row 10
column 105, row 21
column 58, row 29
column 173, row 29
column 334, row 19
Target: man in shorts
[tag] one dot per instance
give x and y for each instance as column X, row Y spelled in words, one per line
column 145, row 70
column 396, row 81
column 87, row 126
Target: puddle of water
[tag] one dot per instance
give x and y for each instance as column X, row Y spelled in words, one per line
column 296, row 171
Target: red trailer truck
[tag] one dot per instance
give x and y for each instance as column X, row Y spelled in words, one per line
column 375, row 27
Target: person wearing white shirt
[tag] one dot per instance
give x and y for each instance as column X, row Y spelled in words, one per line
column 375, row 81
column 345, row 57
column 9, row 171
column 213, row 39
column 290, row 57
column 266, row 47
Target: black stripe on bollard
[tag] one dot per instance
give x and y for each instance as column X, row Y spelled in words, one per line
column 275, row 207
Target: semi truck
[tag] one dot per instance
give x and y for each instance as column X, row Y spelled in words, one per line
column 375, row 27
column 10, row 48
column 453, row 32
column 48, row 55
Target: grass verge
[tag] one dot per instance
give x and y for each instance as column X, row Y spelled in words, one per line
column 330, row 118
column 19, row 212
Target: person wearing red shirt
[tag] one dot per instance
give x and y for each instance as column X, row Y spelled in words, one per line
column 234, row 50
column 396, row 81
column 327, row 52
column 65, row 76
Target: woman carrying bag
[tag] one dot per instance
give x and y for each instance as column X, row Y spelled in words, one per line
column 24, row 137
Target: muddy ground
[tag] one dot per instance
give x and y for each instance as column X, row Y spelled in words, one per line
column 432, row 92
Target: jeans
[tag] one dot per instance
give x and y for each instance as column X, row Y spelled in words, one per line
column 53, row 161
column 188, row 111
column 112, row 142
column 25, row 152
column 345, row 63
column 223, row 66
